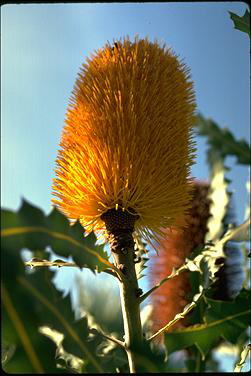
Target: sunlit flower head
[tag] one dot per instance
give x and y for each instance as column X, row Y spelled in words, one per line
column 127, row 140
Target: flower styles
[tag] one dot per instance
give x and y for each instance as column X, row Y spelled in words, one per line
column 127, row 140
column 171, row 298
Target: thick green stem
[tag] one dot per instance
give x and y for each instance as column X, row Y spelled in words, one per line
column 130, row 304
column 120, row 225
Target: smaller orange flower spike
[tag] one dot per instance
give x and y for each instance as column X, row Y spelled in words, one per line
column 127, row 140
column 171, row 298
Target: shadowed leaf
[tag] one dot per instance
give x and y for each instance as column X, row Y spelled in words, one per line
column 33, row 353
column 34, row 292
column 226, row 320
column 30, row 228
column 30, row 302
column 222, row 141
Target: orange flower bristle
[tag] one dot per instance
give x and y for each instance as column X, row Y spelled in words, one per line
column 171, row 298
column 127, row 140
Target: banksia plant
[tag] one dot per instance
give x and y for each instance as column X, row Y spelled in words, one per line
column 126, row 152
column 170, row 299
column 127, row 138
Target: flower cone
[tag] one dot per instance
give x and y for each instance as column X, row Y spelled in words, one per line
column 127, row 140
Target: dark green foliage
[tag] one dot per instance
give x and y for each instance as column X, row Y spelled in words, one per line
column 222, row 142
column 30, row 228
column 30, row 300
column 241, row 23
column 37, row 303
column 32, row 351
column 222, row 320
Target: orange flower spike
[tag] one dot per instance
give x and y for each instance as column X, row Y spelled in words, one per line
column 171, row 298
column 127, row 140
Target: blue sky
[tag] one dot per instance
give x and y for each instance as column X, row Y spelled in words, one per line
column 43, row 47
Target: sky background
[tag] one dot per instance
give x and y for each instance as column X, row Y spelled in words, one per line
column 42, row 49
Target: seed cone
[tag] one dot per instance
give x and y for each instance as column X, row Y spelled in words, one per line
column 127, row 139
column 119, row 220
column 119, row 226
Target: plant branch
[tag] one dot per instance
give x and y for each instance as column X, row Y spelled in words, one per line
column 173, row 274
column 179, row 316
column 120, row 226
column 113, row 339
column 36, row 262
column 239, row 233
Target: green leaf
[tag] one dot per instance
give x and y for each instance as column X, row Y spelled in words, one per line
column 36, row 303
column 33, row 290
column 223, row 320
column 241, row 23
column 30, row 228
column 222, row 141
column 150, row 359
column 32, row 352
column 204, row 259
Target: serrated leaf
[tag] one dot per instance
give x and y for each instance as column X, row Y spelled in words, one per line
column 222, row 141
column 33, row 352
column 235, row 233
column 215, row 251
column 192, row 264
column 208, row 254
column 219, row 200
column 141, row 254
column 243, row 358
column 38, row 304
column 30, row 228
column 226, row 320
column 241, row 23
column 180, row 315
column 141, row 266
column 243, row 235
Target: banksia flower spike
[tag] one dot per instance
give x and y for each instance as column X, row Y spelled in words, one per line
column 125, row 157
column 127, row 140
column 171, row 298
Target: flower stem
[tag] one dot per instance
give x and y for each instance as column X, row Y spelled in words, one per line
column 120, row 227
column 130, row 304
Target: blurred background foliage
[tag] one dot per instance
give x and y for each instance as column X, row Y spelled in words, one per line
column 43, row 333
